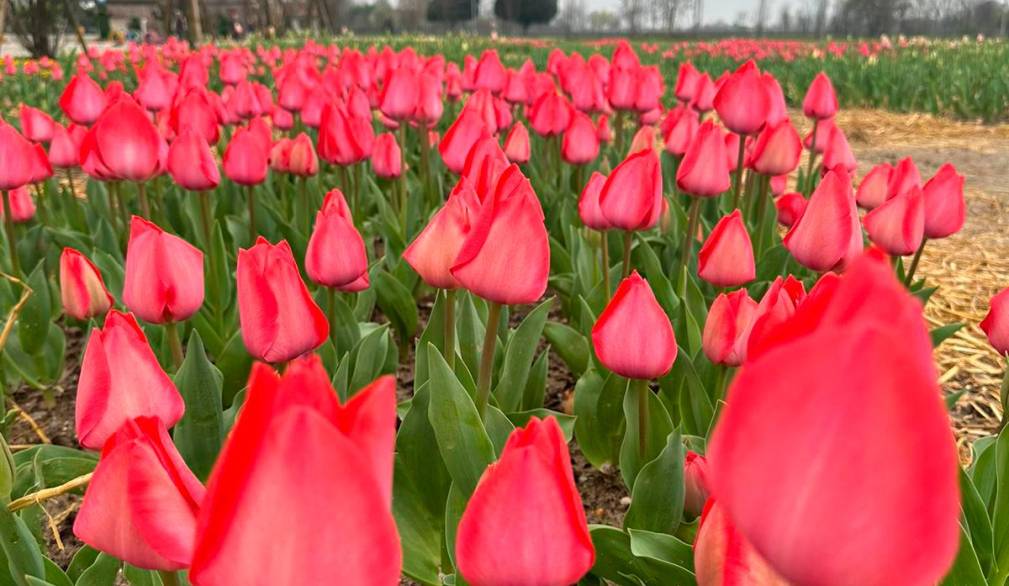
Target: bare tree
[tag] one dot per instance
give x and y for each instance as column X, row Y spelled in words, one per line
column 785, row 19
column 633, row 12
column 762, row 9
column 573, row 15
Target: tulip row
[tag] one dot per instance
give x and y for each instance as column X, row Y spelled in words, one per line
column 263, row 260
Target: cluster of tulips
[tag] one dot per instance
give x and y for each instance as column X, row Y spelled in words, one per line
column 258, row 229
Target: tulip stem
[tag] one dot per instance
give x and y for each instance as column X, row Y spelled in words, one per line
column 174, row 343
column 909, row 278
column 169, row 578
column 1004, row 396
column 252, row 215
column 487, row 357
column 643, row 396
column 618, row 132
column 12, row 243
column 306, row 207
column 604, row 242
column 450, row 327
column 738, row 179
column 693, row 219
column 628, row 236
column 205, row 219
column 808, row 188
column 145, row 206
column 425, row 160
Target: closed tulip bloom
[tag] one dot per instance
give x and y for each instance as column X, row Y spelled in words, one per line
column 904, row 178
column 433, row 252
column 620, row 91
column 588, row 203
column 819, row 240
column 386, row 157
column 726, row 258
column 777, row 149
column 155, row 496
column 278, row 317
column 294, row 443
column 686, row 82
column 344, row 138
column 741, row 102
column 727, row 329
column 121, row 379
column 695, row 470
column 550, row 115
column 154, row 92
column 21, row 203
column 430, row 105
column 506, row 255
column 944, row 204
column 631, row 198
column 191, row 163
column 82, row 100
column 484, row 165
column 164, row 275
column 603, row 131
column 516, row 144
column 580, row 144
column 336, row 255
column 860, row 374
column 82, row 289
column 490, row 72
column 776, row 307
column 246, row 159
column 301, row 158
column 819, row 136
column 64, row 149
column 17, row 155
column 723, row 556
column 704, row 97
column 36, row 125
column 465, row 132
column 873, row 189
column 898, row 225
column 777, row 108
column 544, row 542
column 837, row 152
column 196, row 110
column 820, row 101
column 633, row 336
column 644, row 139
column 996, row 322
column 779, row 184
column 704, row 170
column 41, row 168
column 790, row 208
column 400, row 93
column 124, row 142
column 678, row 129
column 279, row 155
column 649, row 88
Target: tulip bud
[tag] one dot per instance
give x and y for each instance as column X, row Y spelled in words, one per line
column 64, row 149
column 301, row 158
column 545, row 541
column 603, row 131
column 82, row 289
column 726, row 258
column 580, row 144
column 819, row 136
column 108, row 394
column 722, row 555
column 386, row 157
column 695, row 470
column 686, row 82
column 550, row 115
column 898, row 225
column 293, row 437
column 196, row 110
column 837, row 152
column 36, row 125
column 400, row 93
column 873, row 190
column 678, row 129
column 125, row 142
column 727, row 329
column 465, row 132
column 588, row 204
column 22, row 205
column 820, row 101
column 777, row 150
column 820, row 239
column 336, row 255
column 742, row 102
column 142, row 501
column 344, row 138
column 278, row 317
column 433, row 252
column 82, row 100
column 516, row 144
column 944, row 204
column 996, row 322
column 904, row 178
column 246, row 158
column 164, row 274
column 704, row 170
column 633, row 336
column 191, row 164
column 631, row 198
column 790, row 208
column 777, row 108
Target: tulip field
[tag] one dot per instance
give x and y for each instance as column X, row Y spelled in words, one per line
column 451, row 311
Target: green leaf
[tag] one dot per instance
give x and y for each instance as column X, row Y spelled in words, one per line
column 634, row 456
column 397, row 304
column 966, row 570
column 462, row 439
column 657, row 497
column 519, row 357
column 616, row 562
column 102, row 572
column 977, row 521
column 137, row 577
column 684, row 385
column 19, row 547
column 33, row 322
column 1000, row 515
column 55, row 575
column 663, row 548
column 536, row 384
column 599, row 426
column 940, row 334
column 200, row 432
column 570, row 345
column 81, row 561
column 368, row 359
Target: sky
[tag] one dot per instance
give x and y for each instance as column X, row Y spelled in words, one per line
column 714, row 10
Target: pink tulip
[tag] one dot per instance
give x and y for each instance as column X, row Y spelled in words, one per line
column 633, row 336
column 726, row 258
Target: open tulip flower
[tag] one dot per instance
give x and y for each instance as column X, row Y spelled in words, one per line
column 493, row 311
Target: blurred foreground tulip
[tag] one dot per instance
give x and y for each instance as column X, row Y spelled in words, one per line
column 723, row 556
column 996, row 322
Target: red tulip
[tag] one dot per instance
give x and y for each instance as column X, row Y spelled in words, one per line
column 344, row 138
column 944, row 204
column 777, row 108
column 336, row 255
column 722, row 556
column 400, row 93
column 64, row 149
column 36, row 125
column 580, row 144
column 996, row 322
column 588, row 203
column 633, row 336
column 484, row 165
column 644, row 139
column 490, row 73
column 546, row 540
column 904, row 178
column 776, row 307
column 704, row 170
column 196, row 110
column 695, row 471
column 648, row 89
column 191, row 164
column 433, row 252
column 142, row 501
column 550, row 115
column 386, row 157
column 873, row 190
column 301, row 158
column 820, row 239
column 704, row 97
column 779, row 184
column 837, row 152
column 631, row 198
column 121, row 379
column 465, row 132
column 22, row 205
column 727, row 329
column 82, row 289
column 154, row 88
column 124, row 143
column 82, row 100
column 506, row 255
column 603, row 131
column 686, row 82
column 790, row 208
column 741, row 102
column 620, row 89
column 164, row 275
column 516, row 144
column 17, row 155
column 898, row 225
column 278, row 317
column 726, row 258
column 777, row 150
column 818, row 138
column 679, row 129
column 294, row 443
column 429, row 100
column 820, row 101
column 246, row 158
